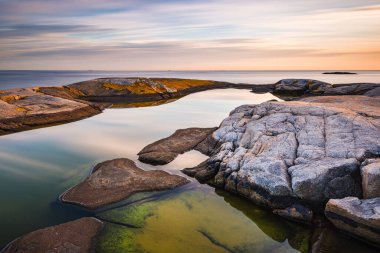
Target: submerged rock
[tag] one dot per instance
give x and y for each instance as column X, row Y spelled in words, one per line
column 166, row 150
column 75, row 237
column 370, row 172
column 357, row 217
column 281, row 153
column 114, row 180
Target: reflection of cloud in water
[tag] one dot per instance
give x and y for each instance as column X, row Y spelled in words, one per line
column 189, row 159
column 16, row 164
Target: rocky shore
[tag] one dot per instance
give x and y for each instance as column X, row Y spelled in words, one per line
column 28, row 108
column 23, row 109
column 313, row 157
column 293, row 157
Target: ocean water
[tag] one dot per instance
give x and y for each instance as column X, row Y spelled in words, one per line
column 15, row 79
column 37, row 166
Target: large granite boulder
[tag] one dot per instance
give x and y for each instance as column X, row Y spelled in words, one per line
column 166, row 150
column 358, row 217
column 281, row 153
column 75, row 237
column 114, row 180
column 370, row 172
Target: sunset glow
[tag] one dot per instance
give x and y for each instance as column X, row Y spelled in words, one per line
column 190, row 35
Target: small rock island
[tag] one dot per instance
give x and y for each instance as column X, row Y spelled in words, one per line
column 340, row 73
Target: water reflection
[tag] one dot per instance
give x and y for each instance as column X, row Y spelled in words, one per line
column 36, row 166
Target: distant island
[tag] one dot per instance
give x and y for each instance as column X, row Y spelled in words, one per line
column 340, row 73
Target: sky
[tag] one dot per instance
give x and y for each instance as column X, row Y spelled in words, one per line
column 190, row 35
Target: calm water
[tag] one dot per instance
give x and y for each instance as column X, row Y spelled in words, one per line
column 14, row 79
column 37, row 166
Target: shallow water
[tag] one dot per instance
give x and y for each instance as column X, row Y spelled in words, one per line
column 38, row 165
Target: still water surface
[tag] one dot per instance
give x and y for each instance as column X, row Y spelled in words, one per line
column 38, row 165
column 22, row 78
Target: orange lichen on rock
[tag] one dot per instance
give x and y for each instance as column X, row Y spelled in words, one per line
column 10, row 99
column 181, row 84
column 138, row 87
column 74, row 91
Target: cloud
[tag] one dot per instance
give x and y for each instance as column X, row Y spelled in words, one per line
column 178, row 30
column 38, row 29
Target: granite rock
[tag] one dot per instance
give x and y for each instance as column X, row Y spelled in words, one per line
column 281, row 153
column 114, row 180
column 370, row 172
column 76, row 236
column 166, row 150
column 357, row 217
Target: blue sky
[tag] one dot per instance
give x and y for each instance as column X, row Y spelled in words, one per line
column 190, row 35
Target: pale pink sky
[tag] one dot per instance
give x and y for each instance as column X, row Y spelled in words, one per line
column 190, row 35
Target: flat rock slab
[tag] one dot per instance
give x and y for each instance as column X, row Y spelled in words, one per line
column 114, row 180
column 358, row 217
column 166, row 150
column 21, row 109
column 75, row 237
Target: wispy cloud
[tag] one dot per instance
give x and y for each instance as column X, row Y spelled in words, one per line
column 171, row 34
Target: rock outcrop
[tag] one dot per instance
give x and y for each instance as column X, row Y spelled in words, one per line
column 360, row 218
column 75, row 236
column 303, row 152
column 291, row 89
column 114, row 180
column 133, row 89
column 299, row 87
column 367, row 89
column 370, row 172
column 22, row 109
column 166, row 150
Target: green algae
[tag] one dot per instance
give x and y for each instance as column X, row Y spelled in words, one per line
column 117, row 239
column 198, row 220
column 134, row 215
